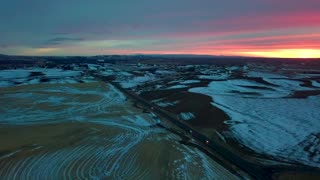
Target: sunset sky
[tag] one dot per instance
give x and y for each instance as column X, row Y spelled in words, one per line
column 268, row 28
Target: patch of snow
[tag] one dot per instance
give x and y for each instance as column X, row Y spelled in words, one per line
column 158, row 86
column 93, row 66
column 166, row 104
column 177, row 87
column 306, row 75
column 165, row 72
column 138, row 120
column 14, row 74
column 215, row 76
column 233, row 87
column 233, row 68
column 264, row 74
column 34, row 81
column 50, row 73
column 173, row 82
column 63, row 81
column 137, row 80
column 190, row 66
column 316, row 84
column 88, row 79
column 238, row 87
column 124, row 73
column 117, row 95
column 221, row 136
column 22, row 76
column 75, row 105
column 286, row 83
column 108, row 72
column 190, row 82
column 158, row 100
column 155, row 117
column 186, row 115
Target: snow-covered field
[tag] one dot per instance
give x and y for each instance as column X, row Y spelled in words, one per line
column 215, row 74
column 136, row 80
column 264, row 119
column 180, row 84
column 89, row 131
column 40, row 75
column 247, row 88
column 128, row 80
column 52, row 103
column 165, row 72
column 265, row 74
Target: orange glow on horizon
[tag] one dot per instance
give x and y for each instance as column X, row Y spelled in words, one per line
column 286, row 53
column 270, row 53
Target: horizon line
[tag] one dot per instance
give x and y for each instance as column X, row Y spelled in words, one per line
column 142, row 54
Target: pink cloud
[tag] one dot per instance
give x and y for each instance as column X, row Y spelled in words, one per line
column 247, row 25
column 264, row 22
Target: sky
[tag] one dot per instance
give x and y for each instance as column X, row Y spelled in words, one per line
column 264, row 28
